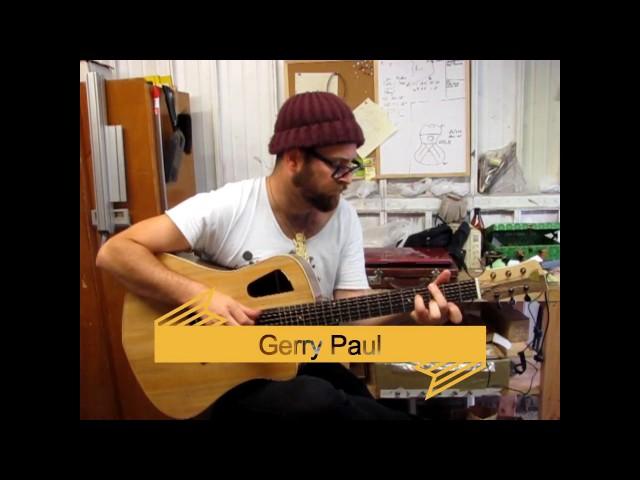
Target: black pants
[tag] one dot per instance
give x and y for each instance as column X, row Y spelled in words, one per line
column 319, row 392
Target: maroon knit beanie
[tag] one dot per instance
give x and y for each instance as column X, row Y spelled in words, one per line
column 314, row 119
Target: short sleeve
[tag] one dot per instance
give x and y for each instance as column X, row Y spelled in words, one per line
column 351, row 270
column 204, row 219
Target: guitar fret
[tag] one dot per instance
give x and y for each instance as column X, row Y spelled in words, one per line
column 415, row 292
column 405, row 300
column 329, row 312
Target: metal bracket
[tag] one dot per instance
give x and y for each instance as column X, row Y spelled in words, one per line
column 115, row 163
column 107, row 152
column 119, row 217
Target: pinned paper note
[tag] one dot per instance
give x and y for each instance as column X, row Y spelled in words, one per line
column 159, row 80
column 375, row 125
column 368, row 172
column 316, row 82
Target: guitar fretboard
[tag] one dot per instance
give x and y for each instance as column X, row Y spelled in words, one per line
column 333, row 312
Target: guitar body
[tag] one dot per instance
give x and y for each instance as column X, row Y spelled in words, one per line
column 184, row 390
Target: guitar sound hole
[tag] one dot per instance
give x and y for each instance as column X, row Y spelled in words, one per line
column 270, row 284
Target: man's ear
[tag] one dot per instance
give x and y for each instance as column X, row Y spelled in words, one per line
column 294, row 160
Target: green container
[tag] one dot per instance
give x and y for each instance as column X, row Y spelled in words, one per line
column 529, row 238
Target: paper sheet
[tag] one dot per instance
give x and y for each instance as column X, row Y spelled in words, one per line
column 375, row 125
column 316, row 82
column 369, row 170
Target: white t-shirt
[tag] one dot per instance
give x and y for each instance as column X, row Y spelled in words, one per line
column 235, row 226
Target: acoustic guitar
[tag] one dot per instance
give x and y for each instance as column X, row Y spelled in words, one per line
column 286, row 290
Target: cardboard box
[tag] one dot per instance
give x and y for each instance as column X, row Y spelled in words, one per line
column 508, row 320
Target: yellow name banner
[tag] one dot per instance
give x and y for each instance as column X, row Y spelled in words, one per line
column 284, row 344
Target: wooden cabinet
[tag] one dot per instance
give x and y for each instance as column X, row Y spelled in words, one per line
column 108, row 388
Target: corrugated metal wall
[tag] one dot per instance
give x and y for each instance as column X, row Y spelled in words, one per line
column 235, row 102
column 541, row 122
column 248, row 103
column 497, row 108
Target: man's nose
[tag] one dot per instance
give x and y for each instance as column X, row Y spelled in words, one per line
column 346, row 179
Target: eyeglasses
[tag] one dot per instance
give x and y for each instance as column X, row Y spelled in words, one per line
column 339, row 170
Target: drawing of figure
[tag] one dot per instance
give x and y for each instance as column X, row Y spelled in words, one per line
column 429, row 152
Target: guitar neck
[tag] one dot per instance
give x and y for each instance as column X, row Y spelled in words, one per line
column 333, row 312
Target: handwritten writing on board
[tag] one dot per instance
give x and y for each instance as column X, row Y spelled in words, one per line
column 426, row 101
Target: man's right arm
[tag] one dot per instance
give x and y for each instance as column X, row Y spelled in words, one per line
column 130, row 257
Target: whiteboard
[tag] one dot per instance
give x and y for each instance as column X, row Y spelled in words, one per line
column 429, row 102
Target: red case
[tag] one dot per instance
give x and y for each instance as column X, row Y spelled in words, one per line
column 406, row 267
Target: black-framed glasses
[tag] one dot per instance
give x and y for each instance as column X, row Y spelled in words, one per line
column 339, row 170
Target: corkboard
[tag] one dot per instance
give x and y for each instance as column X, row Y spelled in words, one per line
column 357, row 79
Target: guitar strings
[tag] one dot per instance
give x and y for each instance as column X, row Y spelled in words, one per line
column 354, row 305
column 382, row 304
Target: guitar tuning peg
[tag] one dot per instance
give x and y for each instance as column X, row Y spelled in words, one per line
column 512, row 301
column 496, row 296
column 527, row 298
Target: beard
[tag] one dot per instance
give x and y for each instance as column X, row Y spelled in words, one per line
column 308, row 190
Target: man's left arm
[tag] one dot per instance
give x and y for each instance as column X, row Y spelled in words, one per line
column 437, row 312
column 352, row 273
